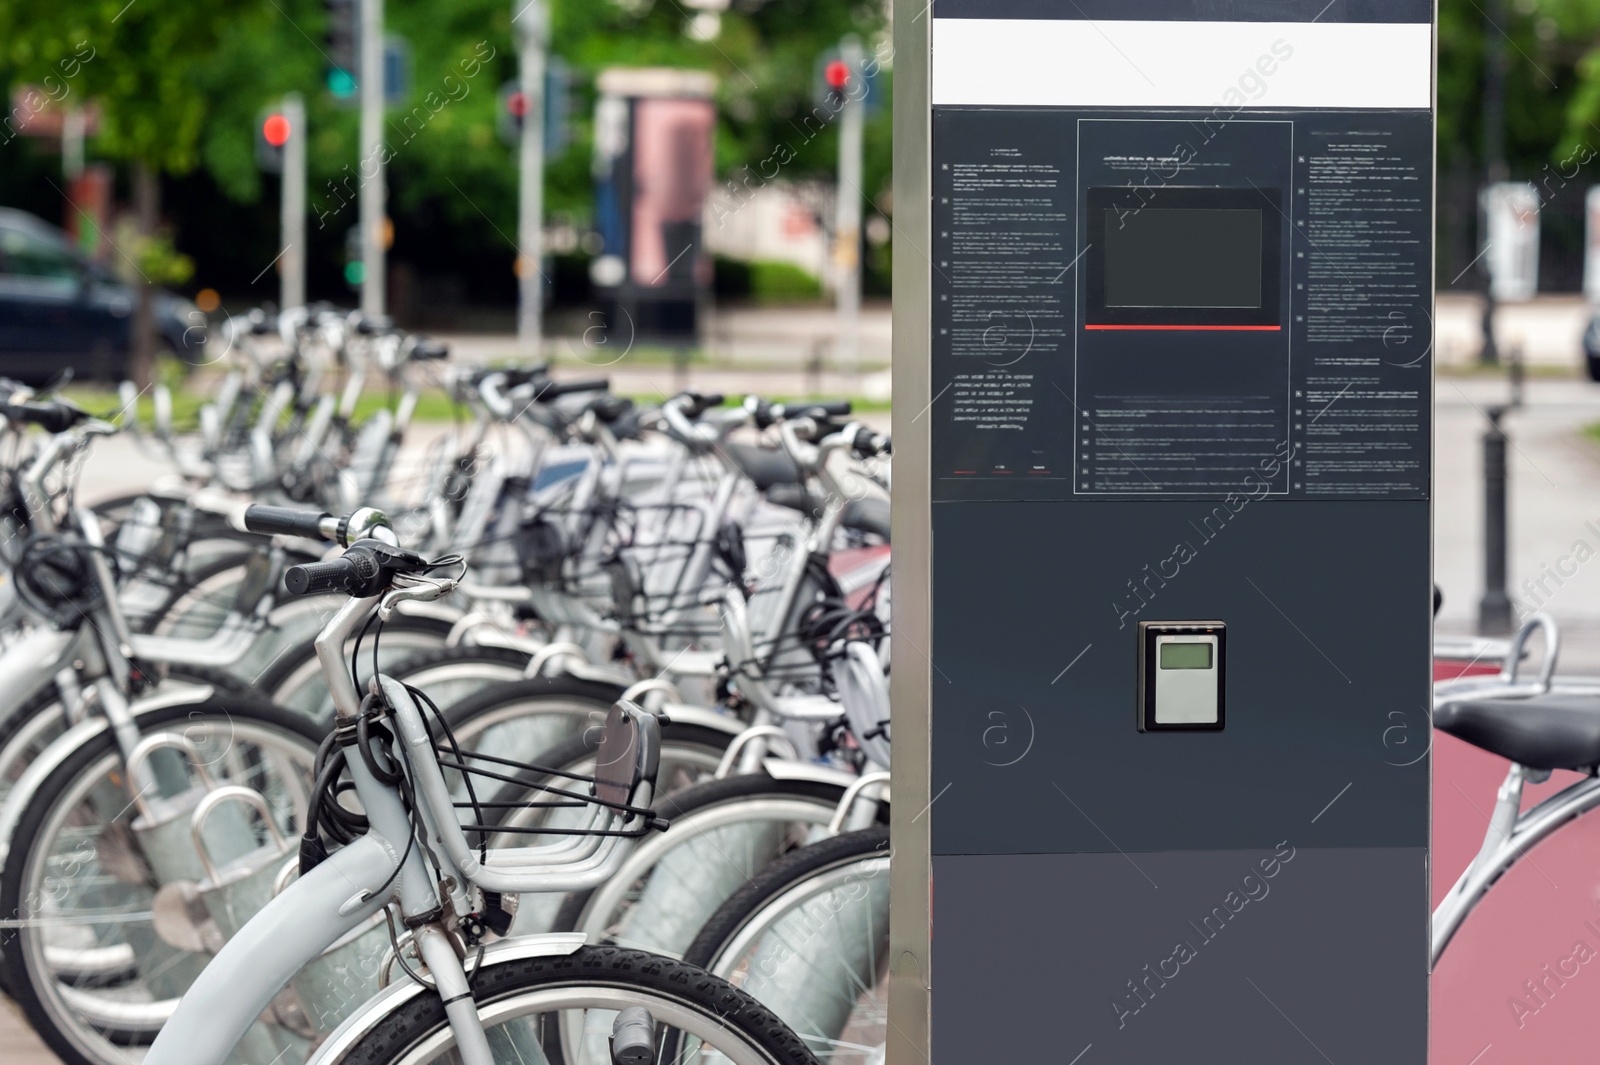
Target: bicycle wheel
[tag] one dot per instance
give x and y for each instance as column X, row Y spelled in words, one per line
column 80, row 950
column 809, row 939
column 723, row 833
column 26, row 734
column 450, row 674
column 560, row 1010
column 689, row 755
column 295, row 678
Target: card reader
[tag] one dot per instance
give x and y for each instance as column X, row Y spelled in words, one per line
column 1181, row 675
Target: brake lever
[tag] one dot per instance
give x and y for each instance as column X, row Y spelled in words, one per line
column 417, row 590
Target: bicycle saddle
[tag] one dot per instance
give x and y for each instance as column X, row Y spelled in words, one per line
column 1557, row 730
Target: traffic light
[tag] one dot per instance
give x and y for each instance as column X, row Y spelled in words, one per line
column 344, row 48
column 836, row 79
column 355, row 269
column 512, row 109
column 272, row 133
column 514, row 104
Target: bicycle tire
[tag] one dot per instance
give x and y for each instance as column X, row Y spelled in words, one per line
column 610, row 968
column 299, row 665
column 574, row 913
column 447, row 675
column 237, row 710
column 775, row 881
column 737, row 924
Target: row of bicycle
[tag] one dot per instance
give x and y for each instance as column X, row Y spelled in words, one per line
column 409, row 795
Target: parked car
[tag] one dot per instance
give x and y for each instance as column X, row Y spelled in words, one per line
column 58, row 311
column 1591, row 346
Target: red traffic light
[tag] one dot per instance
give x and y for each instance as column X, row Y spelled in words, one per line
column 517, row 104
column 837, row 74
column 275, row 130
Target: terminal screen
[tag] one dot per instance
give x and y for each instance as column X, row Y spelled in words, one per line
column 1186, row 656
column 1187, row 257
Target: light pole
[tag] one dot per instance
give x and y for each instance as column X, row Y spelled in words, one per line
column 292, row 212
column 847, row 223
column 531, row 23
column 370, row 170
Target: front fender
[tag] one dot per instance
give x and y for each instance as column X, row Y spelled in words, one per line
column 69, row 742
column 391, row 998
column 681, row 714
column 784, row 769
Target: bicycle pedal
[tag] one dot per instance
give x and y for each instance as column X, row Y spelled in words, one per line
column 633, row 1037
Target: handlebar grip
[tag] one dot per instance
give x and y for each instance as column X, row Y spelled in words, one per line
column 868, row 443
column 567, row 388
column 830, row 408
column 285, row 521
column 695, row 404
column 52, row 417
column 426, row 350
column 309, row 578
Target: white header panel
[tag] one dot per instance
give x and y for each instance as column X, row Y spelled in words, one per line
column 1076, row 63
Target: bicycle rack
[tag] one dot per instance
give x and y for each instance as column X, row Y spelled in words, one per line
column 552, row 653
column 844, row 814
column 759, row 750
column 161, row 835
column 234, row 892
column 653, row 685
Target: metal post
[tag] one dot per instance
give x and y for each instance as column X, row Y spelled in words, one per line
column 371, row 175
column 847, row 248
column 1494, row 610
column 532, row 22
column 1494, row 146
column 74, row 124
column 292, row 276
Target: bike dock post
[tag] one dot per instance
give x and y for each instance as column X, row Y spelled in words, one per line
column 1162, row 523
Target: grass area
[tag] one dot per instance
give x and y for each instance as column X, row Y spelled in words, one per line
column 432, row 406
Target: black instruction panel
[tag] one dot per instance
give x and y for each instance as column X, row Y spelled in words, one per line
column 1181, row 304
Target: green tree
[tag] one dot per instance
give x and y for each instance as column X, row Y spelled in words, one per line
column 140, row 62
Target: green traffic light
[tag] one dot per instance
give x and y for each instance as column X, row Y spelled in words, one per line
column 355, row 273
column 341, row 83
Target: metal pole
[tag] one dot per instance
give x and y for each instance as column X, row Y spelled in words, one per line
column 372, row 157
column 292, row 278
column 532, row 21
column 1494, row 147
column 73, row 125
column 1494, row 610
column 847, row 249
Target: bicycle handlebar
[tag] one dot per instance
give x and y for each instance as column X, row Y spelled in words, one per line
column 288, row 521
column 346, row 573
column 766, row 414
column 53, row 416
column 567, row 388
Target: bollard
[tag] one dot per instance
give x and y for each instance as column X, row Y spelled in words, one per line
column 1494, row 610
